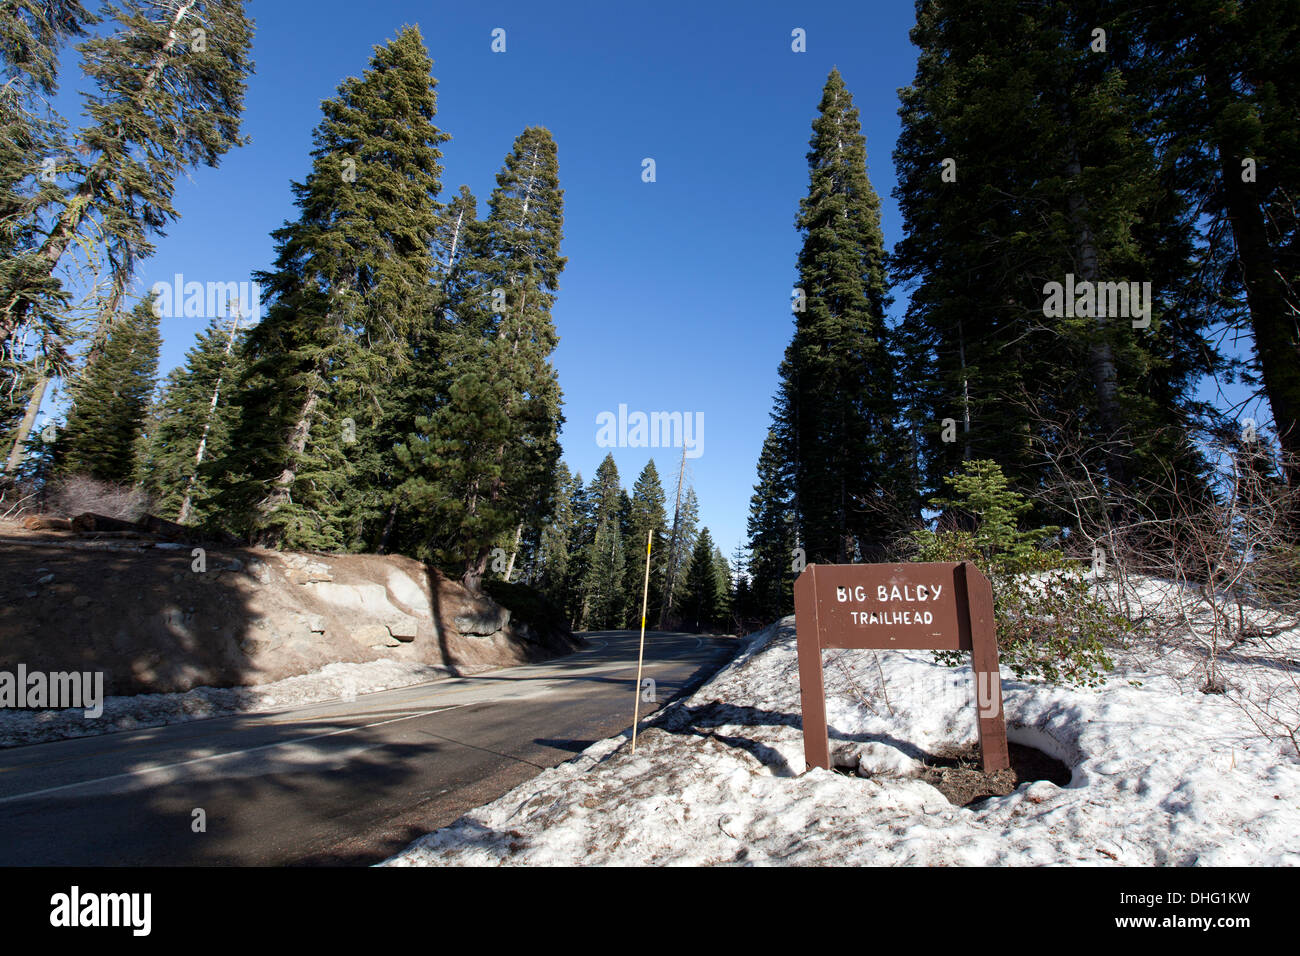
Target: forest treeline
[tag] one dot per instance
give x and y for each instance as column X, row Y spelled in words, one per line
column 395, row 390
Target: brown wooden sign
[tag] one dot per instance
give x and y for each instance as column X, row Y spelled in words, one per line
column 924, row 606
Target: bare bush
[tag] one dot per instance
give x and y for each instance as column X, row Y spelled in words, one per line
column 1233, row 558
column 16, row 502
column 79, row 494
column 1273, row 704
column 1212, row 568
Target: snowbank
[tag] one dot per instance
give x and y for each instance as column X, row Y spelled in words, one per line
column 1161, row 773
column 332, row 682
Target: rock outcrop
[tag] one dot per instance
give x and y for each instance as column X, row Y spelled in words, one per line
column 158, row 616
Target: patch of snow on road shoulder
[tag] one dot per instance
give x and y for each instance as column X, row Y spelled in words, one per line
column 332, row 682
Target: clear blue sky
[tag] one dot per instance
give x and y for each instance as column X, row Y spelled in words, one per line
column 676, row 296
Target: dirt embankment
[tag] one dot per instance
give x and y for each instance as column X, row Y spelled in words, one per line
column 155, row 616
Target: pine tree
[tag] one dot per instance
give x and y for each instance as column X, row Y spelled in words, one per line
column 1023, row 159
column 677, row 558
column 486, row 460
column 771, row 531
column 702, row 598
column 32, row 34
column 603, row 491
column 646, row 518
column 443, row 341
column 580, row 543
column 556, row 541
column 603, row 583
column 351, row 277
column 681, row 543
column 602, row 597
column 111, row 401
column 192, row 422
column 170, row 80
column 743, row 612
column 836, row 410
column 723, row 572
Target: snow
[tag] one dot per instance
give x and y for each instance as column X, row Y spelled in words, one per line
column 1162, row 774
column 332, row 682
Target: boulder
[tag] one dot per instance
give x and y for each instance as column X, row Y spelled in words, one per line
column 404, row 628
column 88, row 522
column 482, row 621
column 369, row 599
column 409, row 592
column 47, row 523
column 374, row 635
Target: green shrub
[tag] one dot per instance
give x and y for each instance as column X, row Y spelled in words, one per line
column 1049, row 622
column 528, row 605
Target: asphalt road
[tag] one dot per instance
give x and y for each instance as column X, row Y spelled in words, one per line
column 334, row 783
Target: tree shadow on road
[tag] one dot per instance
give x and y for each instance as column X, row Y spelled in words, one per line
column 266, row 804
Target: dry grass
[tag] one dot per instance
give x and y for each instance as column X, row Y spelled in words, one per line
column 79, row 494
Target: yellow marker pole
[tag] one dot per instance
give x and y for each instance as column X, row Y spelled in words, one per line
column 640, row 657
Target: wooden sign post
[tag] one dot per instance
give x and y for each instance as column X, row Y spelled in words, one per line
column 924, row 606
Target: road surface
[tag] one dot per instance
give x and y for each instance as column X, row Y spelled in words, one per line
column 333, row 783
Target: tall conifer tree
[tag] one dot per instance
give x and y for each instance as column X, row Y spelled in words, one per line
column 556, row 541
column 836, row 407
column 192, row 422
column 485, row 460
column 701, row 607
column 111, row 401
column 352, row 275
column 646, row 518
column 603, row 597
column 681, row 544
column 442, row 343
column 771, row 535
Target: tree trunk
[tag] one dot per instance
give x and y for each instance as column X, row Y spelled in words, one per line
column 25, row 426
column 207, row 425
column 1274, row 321
column 510, row 567
column 280, row 493
column 1101, row 357
column 455, row 240
column 475, row 568
column 673, row 545
column 382, row 547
